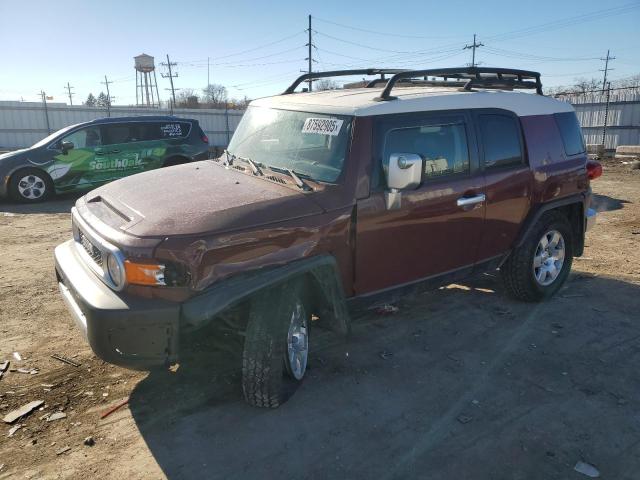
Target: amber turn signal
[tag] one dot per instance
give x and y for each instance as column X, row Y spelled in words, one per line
column 146, row 273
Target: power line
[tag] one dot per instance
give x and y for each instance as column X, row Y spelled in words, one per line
column 473, row 47
column 386, row 34
column 606, row 70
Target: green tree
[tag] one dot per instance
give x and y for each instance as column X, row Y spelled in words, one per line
column 91, row 101
column 103, row 101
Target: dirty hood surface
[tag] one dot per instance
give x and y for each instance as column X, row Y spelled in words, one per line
column 200, row 197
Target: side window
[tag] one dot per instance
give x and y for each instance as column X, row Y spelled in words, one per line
column 501, row 140
column 442, row 147
column 84, row 138
column 570, row 132
column 174, row 129
column 118, row 133
column 150, row 131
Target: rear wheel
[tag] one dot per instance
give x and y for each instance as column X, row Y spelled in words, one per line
column 539, row 267
column 276, row 346
column 30, row 185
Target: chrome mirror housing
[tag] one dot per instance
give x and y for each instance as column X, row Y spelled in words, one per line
column 403, row 172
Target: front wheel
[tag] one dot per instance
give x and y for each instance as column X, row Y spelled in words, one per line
column 30, row 185
column 276, row 347
column 538, row 268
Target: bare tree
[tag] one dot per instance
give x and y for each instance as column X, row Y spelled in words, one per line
column 325, row 84
column 187, row 98
column 215, row 94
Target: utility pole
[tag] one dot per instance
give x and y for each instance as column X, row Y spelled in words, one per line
column 170, row 75
column 606, row 69
column 208, row 74
column 69, row 88
column 606, row 113
column 473, row 49
column 106, row 83
column 310, row 57
column 46, row 110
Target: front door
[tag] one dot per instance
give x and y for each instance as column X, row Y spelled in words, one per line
column 436, row 229
column 74, row 169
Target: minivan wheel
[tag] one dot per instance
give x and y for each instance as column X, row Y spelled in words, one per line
column 538, row 268
column 30, row 185
column 276, row 346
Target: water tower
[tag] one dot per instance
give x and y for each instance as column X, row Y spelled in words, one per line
column 146, row 81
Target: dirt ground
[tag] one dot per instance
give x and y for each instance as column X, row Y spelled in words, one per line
column 460, row 383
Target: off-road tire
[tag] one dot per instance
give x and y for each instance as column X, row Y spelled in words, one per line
column 16, row 177
column 517, row 272
column 265, row 379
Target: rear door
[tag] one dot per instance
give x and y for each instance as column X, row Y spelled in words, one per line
column 120, row 154
column 436, row 229
column 507, row 177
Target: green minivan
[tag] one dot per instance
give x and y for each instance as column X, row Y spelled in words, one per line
column 86, row 155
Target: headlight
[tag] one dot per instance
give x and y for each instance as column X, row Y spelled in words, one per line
column 115, row 270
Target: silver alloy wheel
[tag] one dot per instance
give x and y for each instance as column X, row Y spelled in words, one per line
column 297, row 342
column 31, row 187
column 549, row 258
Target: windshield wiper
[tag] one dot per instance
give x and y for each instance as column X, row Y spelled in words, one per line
column 294, row 175
column 254, row 166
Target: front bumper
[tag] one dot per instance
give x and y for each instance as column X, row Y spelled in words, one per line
column 590, row 219
column 121, row 329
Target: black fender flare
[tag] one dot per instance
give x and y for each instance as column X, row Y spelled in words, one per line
column 322, row 271
column 533, row 217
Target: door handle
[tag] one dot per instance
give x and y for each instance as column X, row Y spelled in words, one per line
column 466, row 201
column 99, row 152
column 114, row 151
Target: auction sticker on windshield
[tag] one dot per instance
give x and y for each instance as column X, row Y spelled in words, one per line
column 322, row 126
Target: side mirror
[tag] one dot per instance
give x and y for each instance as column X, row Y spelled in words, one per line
column 403, row 172
column 66, row 146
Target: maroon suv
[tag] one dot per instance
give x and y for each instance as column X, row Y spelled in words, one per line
column 325, row 201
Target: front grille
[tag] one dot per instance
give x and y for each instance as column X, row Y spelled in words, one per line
column 93, row 251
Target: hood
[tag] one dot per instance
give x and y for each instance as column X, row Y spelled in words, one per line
column 12, row 154
column 200, row 197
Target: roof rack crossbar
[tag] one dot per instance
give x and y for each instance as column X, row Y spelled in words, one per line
column 341, row 73
column 493, row 78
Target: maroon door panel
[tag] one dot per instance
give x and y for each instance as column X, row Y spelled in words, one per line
column 428, row 235
column 508, row 195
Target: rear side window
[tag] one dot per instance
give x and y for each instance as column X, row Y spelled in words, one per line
column 501, row 140
column 164, row 130
column 570, row 132
column 442, row 147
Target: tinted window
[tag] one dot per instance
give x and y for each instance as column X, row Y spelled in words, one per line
column 85, row 138
column 501, row 140
column 570, row 132
column 442, row 147
column 163, row 130
column 116, row 134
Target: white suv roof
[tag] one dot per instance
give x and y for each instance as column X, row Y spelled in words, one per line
column 362, row 101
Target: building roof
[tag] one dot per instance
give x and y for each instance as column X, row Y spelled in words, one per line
column 361, row 101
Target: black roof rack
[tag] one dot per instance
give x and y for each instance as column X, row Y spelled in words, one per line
column 482, row 77
column 465, row 77
column 342, row 73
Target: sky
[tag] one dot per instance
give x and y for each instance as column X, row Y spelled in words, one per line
column 257, row 48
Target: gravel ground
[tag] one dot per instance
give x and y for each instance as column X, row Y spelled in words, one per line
column 460, row 383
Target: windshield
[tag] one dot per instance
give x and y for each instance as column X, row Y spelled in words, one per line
column 311, row 144
column 52, row 137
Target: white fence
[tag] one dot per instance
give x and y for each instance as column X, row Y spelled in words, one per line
column 24, row 123
column 622, row 118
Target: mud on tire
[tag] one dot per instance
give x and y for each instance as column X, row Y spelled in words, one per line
column 266, row 380
column 518, row 271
